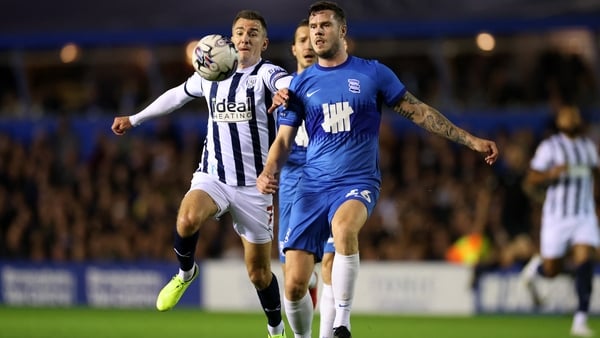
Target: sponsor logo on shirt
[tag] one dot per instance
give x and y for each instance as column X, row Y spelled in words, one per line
column 226, row 111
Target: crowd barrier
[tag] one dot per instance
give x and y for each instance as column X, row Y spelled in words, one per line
column 426, row 288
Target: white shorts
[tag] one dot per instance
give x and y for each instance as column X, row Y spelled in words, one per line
column 251, row 211
column 557, row 235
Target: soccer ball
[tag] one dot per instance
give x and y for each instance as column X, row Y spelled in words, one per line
column 215, row 57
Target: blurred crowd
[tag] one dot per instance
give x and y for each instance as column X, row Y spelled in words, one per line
column 119, row 203
column 106, row 81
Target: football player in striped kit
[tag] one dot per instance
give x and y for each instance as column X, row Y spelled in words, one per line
column 340, row 100
column 240, row 131
column 565, row 165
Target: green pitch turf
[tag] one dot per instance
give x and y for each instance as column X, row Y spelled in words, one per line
column 187, row 323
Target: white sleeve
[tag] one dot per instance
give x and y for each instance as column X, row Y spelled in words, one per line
column 542, row 160
column 284, row 82
column 164, row 104
column 273, row 76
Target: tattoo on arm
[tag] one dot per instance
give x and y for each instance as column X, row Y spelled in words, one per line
column 430, row 119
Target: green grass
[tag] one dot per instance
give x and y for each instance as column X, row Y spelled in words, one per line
column 187, row 323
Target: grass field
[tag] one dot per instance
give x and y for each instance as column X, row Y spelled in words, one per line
column 186, row 323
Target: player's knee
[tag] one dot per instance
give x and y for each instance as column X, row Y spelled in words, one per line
column 260, row 277
column 187, row 224
column 295, row 289
column 551, row 270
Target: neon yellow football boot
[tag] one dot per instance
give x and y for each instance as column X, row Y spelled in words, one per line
column 172, row 292
column 282, row 335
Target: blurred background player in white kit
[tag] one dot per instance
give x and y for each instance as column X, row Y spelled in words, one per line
column 566, row 165
column 234, row 154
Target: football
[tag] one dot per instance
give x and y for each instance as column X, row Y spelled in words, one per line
column 215, row 57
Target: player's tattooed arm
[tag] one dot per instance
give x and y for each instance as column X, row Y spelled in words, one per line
column 431, row 119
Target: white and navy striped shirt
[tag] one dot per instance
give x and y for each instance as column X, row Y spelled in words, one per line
column 240, row 130
column 572, row 195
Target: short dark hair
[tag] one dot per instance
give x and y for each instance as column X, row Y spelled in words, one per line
column 328, row 5
column 249, row 14
column 302, row 23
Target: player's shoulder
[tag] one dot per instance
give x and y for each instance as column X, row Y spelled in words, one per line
column 268, row 67
column 194, row 85
column 270, row 72
column 362, row 61
column 549, row 144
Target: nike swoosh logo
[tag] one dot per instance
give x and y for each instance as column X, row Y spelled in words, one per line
column 309, row 94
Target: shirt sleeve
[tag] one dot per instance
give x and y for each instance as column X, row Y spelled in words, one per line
column 165, row 104
column 542, row 159
column 293, row 114
column 272, row 74
column 389, row 85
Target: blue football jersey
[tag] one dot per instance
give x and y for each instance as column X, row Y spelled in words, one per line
column 341, row 107
column 298, row 152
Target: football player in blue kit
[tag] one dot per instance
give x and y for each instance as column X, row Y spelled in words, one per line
column 291, row 172
column 340, row 100
column 289, row 178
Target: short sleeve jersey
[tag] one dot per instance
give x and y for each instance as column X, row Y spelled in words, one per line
column 341, row 107
column 240, row 130
column 572, row 194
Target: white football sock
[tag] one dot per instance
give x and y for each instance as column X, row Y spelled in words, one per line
column 327, row 310
column 300, row 315
column 343, row 279
column 187, row 275
column 313, row 280
column 580, row 318
column 275, row 330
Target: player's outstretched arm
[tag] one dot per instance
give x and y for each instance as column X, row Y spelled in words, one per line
column 164, row 104
column 121, row 124
column 267, row 182
column 433, row 121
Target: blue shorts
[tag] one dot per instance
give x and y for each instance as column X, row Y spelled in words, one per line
column 289, row 179
column 310, row 219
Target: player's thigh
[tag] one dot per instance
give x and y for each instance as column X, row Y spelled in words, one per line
column 348, row 219
column 252, row 214
column 586, row 232
column 196, row 207
column 586, row 239
column 555, row 236
column 206, row 198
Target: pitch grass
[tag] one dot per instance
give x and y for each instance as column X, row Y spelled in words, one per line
column 188, row 323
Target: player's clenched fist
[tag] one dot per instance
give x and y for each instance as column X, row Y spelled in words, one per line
column 121, row 124
column 267, row 183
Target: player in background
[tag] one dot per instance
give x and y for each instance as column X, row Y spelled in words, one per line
column 290, row 173
column 234, row 153
column 340, row 101
column 565, row 165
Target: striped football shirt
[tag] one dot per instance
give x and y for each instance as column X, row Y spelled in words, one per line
column 572, row 194
column 240, row 130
